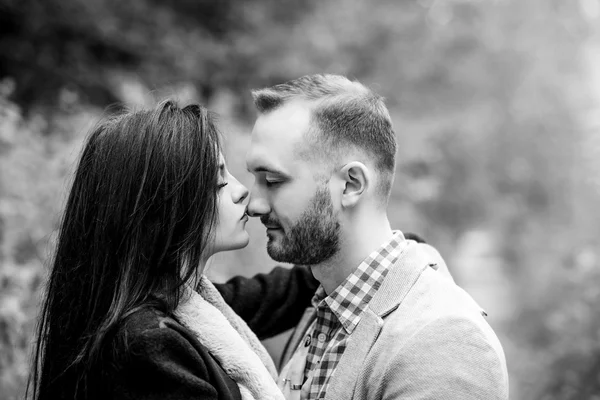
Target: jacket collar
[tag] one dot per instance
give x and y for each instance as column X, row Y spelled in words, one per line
column 398, row 283
column 350, row 299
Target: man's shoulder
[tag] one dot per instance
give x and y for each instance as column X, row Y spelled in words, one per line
column 429, row 284
column 436, row 311
column 438, row 333
column 435, row 297
column 435, row 300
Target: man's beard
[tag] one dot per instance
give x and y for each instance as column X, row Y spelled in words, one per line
column 313, row 239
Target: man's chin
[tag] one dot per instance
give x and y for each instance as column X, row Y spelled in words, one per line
column 275, row 256
column 275, row 252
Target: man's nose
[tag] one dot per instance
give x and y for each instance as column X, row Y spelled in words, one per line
column 257, row 205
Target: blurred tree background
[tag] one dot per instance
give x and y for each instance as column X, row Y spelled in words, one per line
column 496, row 105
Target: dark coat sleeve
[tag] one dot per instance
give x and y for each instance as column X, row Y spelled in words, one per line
column 271, row 303
column 163, row 364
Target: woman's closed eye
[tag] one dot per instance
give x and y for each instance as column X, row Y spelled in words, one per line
column 222, row 185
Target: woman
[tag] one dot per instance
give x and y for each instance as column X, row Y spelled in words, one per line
column 151, row 201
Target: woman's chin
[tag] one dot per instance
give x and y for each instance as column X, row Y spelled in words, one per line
column 244, row 240
column 239, row 242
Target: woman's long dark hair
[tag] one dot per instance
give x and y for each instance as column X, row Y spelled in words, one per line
column 138, row 218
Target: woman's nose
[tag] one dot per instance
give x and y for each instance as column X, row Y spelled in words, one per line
column 241, row 193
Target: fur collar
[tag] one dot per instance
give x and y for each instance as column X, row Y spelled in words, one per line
column 230, row 341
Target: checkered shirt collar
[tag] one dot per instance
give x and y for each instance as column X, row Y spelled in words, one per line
column 348, row 301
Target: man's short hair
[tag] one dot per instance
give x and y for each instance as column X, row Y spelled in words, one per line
column 346, row 115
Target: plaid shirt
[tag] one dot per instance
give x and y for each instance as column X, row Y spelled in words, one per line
column 340, row 312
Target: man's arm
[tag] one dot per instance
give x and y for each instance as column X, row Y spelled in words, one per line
column 271, row 303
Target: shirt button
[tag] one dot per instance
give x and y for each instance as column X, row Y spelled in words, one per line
column 321, row 337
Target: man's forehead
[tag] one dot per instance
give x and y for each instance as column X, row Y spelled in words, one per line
column 260, row 158
column 290, row 120
column 276, row 138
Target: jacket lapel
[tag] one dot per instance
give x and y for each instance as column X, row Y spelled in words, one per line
column 343, row 382
column 400, row 279
column 396, row 285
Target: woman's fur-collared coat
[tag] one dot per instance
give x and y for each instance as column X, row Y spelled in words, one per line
column 159, row 358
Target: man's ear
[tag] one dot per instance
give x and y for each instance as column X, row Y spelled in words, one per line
column 355, row 176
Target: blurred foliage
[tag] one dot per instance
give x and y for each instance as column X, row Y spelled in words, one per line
column 83, row 45
column 489, row 100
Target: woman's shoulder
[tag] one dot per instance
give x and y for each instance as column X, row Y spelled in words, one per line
column 151, row 335
column 159, row 356
column 145, row 320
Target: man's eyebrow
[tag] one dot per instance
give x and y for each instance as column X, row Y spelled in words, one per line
column 265, row 168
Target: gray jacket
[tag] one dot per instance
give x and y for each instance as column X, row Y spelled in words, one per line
column 421, row 337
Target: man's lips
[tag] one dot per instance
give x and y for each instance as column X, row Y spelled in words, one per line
column 271, row 226
column 269, row 223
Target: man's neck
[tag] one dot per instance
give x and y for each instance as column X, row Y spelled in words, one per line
column 354, row 248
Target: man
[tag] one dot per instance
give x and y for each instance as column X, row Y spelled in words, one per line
column 387, row 320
